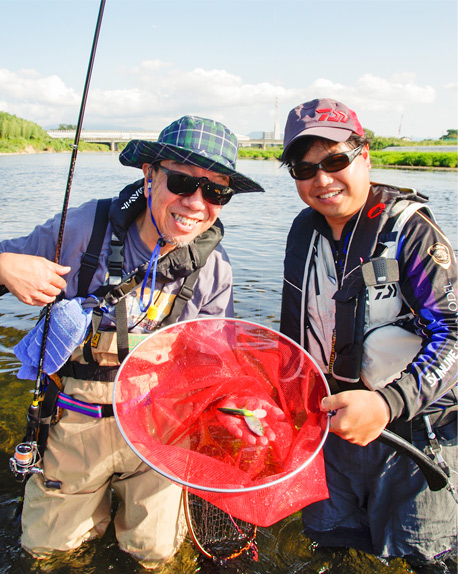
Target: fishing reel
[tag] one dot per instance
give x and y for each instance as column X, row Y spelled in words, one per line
column 25, row 462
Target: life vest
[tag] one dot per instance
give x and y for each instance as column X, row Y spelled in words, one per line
column 334, row 320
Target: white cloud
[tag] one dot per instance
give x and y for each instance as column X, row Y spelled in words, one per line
column 376, row 93
column 156, row 92
column 29, row 85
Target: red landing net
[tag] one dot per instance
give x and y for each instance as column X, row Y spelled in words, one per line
column 166, row 400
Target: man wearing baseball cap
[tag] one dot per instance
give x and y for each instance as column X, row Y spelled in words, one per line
column 158, row 261
column 370, row 290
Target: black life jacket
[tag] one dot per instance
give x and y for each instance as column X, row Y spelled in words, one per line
column 374, row 227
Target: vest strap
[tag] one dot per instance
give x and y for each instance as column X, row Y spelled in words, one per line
column 92, row 372
column 115, row 260
column 122, row 330
column 90, row 259
column 185, row 294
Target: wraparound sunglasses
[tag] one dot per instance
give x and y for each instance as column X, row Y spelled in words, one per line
column 306, row 170
column 183, row 184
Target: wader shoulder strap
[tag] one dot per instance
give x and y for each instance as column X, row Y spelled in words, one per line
column 90, row 259
column 185, row 294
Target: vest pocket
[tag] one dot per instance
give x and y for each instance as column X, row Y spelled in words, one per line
column 386, row 353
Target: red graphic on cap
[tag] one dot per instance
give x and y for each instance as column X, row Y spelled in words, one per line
column 330, row 115
column 376, row 210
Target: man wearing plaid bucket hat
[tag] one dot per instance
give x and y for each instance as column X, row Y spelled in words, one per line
column 370, row 291
column 148, row 258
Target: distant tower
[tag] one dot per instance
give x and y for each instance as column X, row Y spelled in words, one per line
column 277, row 123
column 400, row 125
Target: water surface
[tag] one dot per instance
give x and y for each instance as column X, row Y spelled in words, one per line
column 32, row 189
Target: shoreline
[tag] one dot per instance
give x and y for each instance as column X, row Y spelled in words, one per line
column 379, row 166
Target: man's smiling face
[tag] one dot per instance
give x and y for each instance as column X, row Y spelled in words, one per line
column 180, row 219
column 338, row 195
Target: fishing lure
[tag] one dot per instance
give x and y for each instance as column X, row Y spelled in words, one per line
column 250, row 417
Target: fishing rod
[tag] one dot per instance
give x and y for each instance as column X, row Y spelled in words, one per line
column 23, row 463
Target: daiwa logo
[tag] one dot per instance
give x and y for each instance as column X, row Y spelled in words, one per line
column 386, row 291
column 133, row 198
column 330, row 115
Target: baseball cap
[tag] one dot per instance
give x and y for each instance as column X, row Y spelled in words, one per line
column 323, row 117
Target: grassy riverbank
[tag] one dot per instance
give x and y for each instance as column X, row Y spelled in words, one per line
column 422, row 159
column 432, row 159
column 42, row 145
column 22, row 136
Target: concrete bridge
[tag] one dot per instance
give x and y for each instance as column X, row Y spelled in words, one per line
column 112, row 137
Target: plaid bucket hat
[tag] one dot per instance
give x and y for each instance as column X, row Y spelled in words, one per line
column 193, row 141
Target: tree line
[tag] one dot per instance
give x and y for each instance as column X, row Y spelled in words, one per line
column 13, row 127
column 17, row 134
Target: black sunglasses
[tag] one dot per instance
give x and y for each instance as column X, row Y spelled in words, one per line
column 306, row 170
column 183, row 184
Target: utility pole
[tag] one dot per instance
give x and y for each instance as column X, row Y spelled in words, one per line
column 400, row 124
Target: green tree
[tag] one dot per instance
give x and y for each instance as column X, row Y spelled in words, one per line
column 12, row 127
column 450, row 135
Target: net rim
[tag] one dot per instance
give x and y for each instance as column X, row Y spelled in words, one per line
column 242, row 489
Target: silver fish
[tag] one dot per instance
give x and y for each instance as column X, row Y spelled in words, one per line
column 254, row 424
column 252, row 421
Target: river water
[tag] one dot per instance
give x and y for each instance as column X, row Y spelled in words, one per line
column 31, row 190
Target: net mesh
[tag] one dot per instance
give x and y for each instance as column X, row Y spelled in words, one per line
column 167, row 397
column 217, row 534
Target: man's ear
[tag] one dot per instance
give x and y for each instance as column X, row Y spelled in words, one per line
column 366, row 155
column 147, row 169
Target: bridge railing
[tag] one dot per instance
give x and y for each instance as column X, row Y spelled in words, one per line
column 105, row 135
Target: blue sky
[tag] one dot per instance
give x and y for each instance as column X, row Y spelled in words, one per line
column 393, row 61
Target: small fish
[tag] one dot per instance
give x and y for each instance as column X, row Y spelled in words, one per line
column 254, row 424
column 250, row 417
column 259, row 413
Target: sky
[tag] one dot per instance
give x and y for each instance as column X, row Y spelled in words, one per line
column 246, row 63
